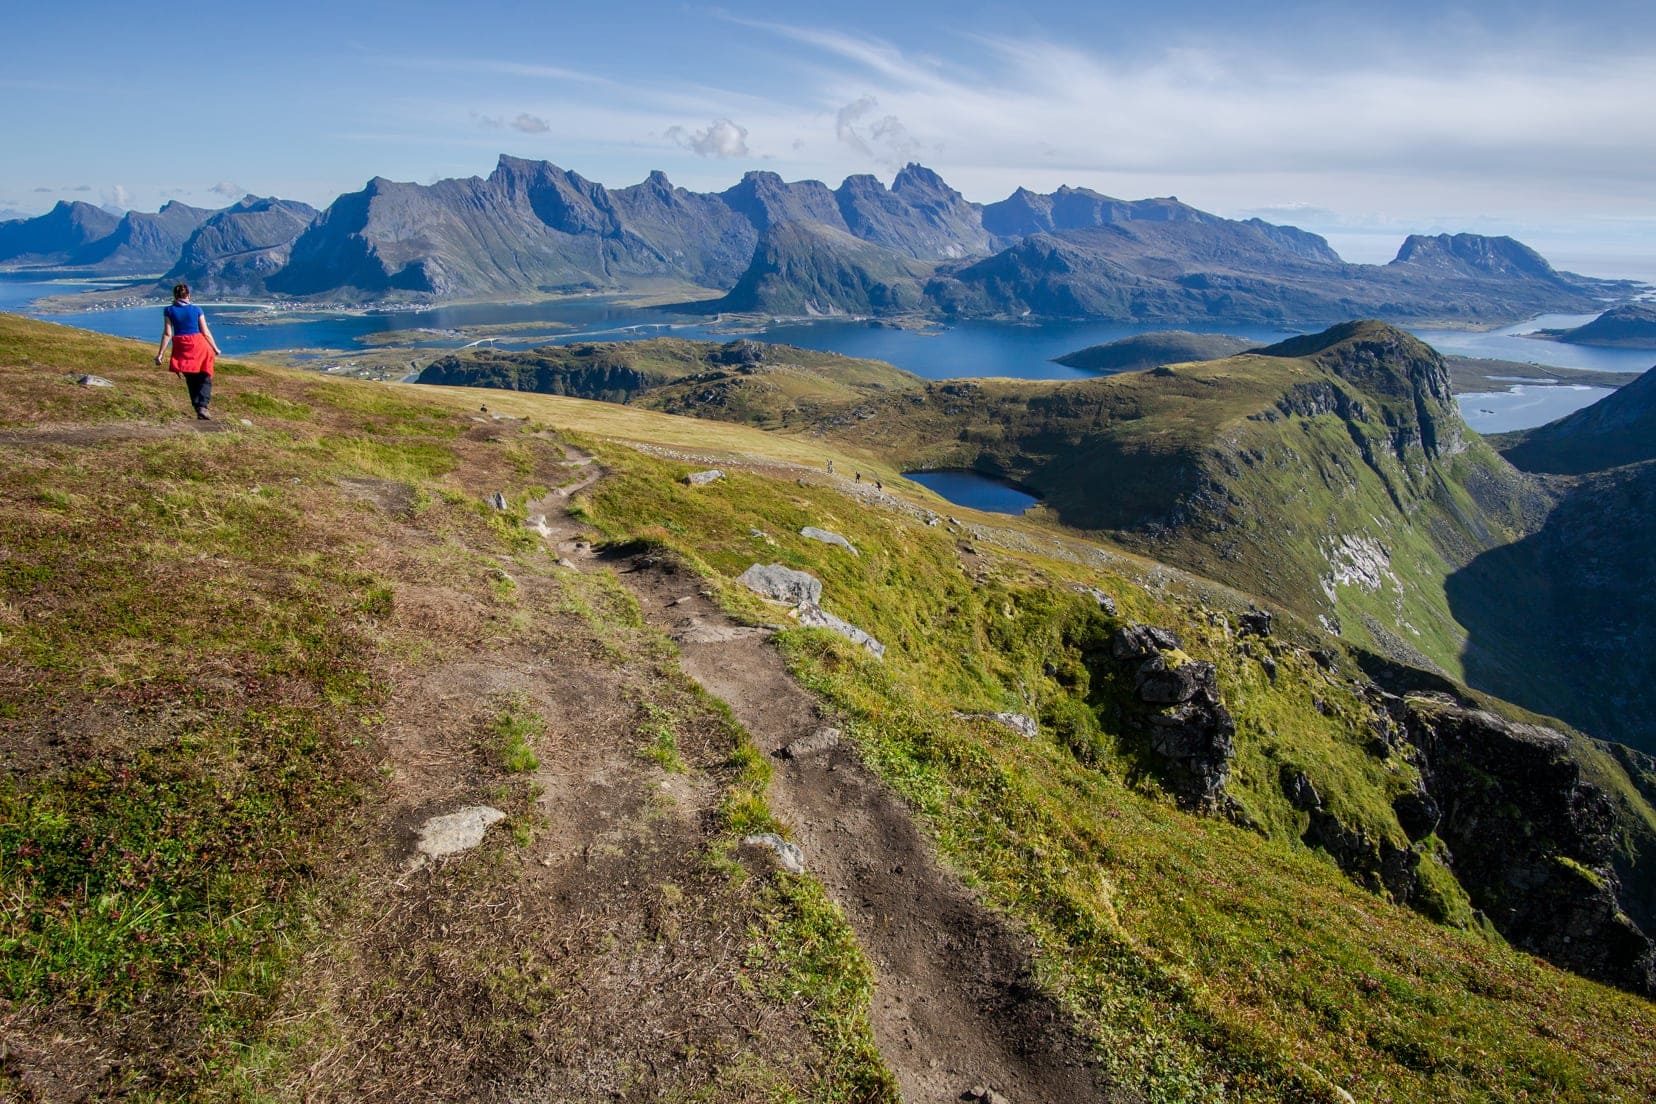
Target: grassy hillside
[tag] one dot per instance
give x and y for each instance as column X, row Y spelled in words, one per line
column 771, row 386
column 1330, row 474
column 242, row 661
column 240, row 665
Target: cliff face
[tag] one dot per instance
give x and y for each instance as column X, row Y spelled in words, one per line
column 1531, row 841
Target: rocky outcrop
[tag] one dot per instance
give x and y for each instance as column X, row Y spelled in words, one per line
column 782, row 584
column 1191, row 734
column 1530, row 839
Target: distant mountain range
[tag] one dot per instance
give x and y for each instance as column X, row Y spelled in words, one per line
column 800, row 249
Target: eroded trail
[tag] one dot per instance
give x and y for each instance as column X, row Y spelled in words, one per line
column 954, row 1006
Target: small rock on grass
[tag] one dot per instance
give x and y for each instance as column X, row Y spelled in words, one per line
column 788, row 855
column 702, row 478
column 498, row 501
column 1024, row 726
column 95, row 381
column 811, row 532
column 455, row 832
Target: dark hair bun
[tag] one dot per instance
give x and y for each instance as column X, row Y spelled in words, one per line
column 181, row 291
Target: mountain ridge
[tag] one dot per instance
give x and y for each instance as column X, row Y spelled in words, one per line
column 533, row 228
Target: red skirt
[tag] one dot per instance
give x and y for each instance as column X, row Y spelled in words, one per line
column 191, row 353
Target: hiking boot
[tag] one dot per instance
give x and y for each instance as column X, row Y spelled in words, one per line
column 202, row 415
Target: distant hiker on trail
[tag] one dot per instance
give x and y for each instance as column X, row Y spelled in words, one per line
column 193, row 348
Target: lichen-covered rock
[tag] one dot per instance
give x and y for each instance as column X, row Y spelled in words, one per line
column 814, row 616
column 702, row 478
column 782, row 584
column 813, row 533
column 455, row 832
column 1142, row 642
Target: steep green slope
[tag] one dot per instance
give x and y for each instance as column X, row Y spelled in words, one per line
column 1330, row 473
column 1212, row 961
column 771, row 386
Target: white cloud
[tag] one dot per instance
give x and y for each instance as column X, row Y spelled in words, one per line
column 115, row 196
column 530, row 124
column 228, row 189
column 886, row 141
column 721, row 138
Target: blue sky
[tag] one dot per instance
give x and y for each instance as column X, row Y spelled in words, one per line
column 1533, row 119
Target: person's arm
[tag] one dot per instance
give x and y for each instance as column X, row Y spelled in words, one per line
column 166, row 336
column 207, row 330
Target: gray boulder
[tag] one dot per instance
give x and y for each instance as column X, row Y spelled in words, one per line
column 95, row 381
column 820, row 742
column 782, row 584
column 702, row 478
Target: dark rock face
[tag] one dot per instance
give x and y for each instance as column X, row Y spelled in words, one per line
column 1531, row 840
column 1191, row 733
column 1375, row 864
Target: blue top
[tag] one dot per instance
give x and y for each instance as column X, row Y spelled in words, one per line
column 185, row 318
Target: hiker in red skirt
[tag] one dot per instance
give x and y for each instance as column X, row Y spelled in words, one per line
column 193, row 348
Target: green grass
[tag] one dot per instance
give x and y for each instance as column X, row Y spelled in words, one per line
column 1210, row 962
column 196, row 630
column 516, row 731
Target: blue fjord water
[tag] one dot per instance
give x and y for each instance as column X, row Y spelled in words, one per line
column 969, row 349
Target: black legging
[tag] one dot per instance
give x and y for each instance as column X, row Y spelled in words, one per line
column 201, row 388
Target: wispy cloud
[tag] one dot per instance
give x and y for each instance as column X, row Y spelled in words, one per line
column 228, row 189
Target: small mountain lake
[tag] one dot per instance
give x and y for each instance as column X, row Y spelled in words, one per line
column 974, row 491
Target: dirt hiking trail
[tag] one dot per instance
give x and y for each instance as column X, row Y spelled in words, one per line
column 955, row 1007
